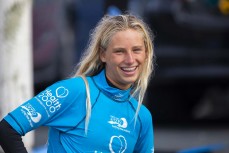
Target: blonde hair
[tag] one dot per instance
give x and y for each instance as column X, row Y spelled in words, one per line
column 90, row 63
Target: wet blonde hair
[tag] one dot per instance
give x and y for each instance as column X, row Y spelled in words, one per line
column 90, row 63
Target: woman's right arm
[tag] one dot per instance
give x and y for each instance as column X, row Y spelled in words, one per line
column 10, row 140
column 48, row 108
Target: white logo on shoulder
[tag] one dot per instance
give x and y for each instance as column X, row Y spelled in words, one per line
column 119, row 123
column 61, row 92
column 50, row 99
column 31, row 113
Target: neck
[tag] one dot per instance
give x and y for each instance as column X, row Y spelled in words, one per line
column 110, row 83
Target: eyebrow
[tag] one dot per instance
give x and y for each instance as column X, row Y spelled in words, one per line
column 118, row 49
column 138, row 46
column 121, row 48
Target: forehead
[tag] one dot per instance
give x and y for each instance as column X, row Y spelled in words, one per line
column 125, row 36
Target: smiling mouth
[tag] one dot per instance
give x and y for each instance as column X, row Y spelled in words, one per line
column 129, row 69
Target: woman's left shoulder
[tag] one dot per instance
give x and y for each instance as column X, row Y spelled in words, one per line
column 144, row 111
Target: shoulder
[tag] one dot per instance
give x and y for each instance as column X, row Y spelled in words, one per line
column 71, row 81
column 70, row 84
column 144, row 114
column 64, row 90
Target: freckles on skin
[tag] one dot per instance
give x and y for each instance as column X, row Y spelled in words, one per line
column 124, row 58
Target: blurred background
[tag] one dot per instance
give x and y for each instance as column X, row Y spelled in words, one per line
column 188, row 95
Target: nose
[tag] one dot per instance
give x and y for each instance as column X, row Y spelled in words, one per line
column 129, row 58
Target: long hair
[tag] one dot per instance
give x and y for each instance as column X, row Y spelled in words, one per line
column 90, row 63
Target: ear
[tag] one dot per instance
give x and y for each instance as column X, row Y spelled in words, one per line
column 102, row 55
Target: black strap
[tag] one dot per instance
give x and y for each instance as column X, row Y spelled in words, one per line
column 10, row 140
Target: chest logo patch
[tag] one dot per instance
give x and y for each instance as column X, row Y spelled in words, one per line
column 119, row 123
column 117, row 144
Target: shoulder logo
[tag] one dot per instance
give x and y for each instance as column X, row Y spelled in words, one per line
column 61, row 92
column 52, row 98
column 31, row 113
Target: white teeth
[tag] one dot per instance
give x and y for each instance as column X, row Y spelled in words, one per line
column 129, row 68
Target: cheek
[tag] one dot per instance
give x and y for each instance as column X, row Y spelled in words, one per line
column 113, row 63
column 114, row 59
column 143, row 62
column 142, row 58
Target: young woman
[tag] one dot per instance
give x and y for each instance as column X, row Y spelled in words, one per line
column 100, row 108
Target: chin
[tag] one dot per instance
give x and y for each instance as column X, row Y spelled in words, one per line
column 130, row 81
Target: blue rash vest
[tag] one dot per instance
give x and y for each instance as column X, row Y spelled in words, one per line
column 62, row 107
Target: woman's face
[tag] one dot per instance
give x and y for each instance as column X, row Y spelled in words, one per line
column 124, row 58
